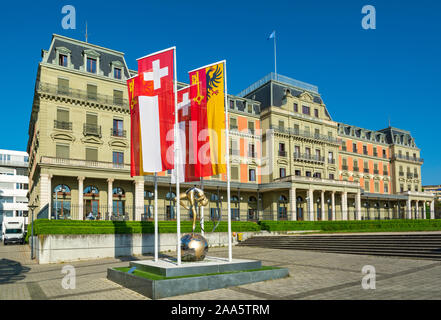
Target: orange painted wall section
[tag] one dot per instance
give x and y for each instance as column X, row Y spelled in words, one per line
column 242, row 123
column 243, row 173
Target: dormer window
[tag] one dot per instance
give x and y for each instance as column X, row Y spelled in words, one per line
column 91, row 65
column 62, row 60
column 117, row 73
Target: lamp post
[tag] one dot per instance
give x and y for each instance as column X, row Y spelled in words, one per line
column 32, row 207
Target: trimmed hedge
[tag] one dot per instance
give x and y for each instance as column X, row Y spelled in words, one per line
column 46, row 226
column 352, row 226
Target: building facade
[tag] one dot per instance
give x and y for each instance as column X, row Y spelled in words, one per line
column 13, row 184
column 289, row 159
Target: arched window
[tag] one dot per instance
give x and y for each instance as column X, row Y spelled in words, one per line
column 91, row 191
column 148, row 195
column 282, row 210
column 170, row 195
column 118, row 192
column 61, row 202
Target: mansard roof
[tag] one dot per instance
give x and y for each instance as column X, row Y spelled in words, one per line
column 77, row 49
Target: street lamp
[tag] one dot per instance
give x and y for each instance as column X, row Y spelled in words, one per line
column 32, row 207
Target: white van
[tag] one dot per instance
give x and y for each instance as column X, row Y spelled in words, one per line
column 13, row 230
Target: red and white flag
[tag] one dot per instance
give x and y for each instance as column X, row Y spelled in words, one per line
column 156, row 110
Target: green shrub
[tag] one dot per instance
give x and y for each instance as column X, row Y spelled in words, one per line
column 45, row 226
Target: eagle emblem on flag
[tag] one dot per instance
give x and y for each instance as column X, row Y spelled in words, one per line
column 214, row 77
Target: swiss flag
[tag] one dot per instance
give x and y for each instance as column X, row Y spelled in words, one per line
column 156, row 100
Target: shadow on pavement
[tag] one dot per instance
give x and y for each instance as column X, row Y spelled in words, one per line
column 11, row 271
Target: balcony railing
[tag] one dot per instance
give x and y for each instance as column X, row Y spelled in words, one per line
column 118, row 133
column 408, row 158
column 84, row 163
column 344, row 167
column 62, row 125
column 308, row 157
column 305, row 134
column 401, row 174
column 385, row 173
column 365, row 152
column 80, row 94
column 282, row 153
column 415, row 175
column 234, row 152
column 233, row 127
column 92, row 129
column 331, row 161
column 409, row 176
column 376, row 171
column 252, row 154
column 356, row 169
column 366, row 170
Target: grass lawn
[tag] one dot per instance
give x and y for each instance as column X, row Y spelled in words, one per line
column 154, row 276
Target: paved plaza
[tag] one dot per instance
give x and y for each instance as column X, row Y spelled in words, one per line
column 313, row 275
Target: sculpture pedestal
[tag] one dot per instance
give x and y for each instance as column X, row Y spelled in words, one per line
column 192, row 277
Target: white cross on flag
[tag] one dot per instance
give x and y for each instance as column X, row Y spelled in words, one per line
column 156, row 110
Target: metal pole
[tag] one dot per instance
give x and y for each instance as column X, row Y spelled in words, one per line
column 275, row 61
column 227, row 146
column 32, row 235
column 156, row 217
column 177, row 157
column 201, row 208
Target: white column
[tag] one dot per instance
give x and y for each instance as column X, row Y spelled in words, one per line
column 344, row 197
column 417, row 211
column 293, row 203
column 311, row 205
column 432, row 209
column 358, row 205
column 45, row 192
column 409, row 209
column 424, row 209
column 80, row 198
column 109, row 196
column 333, row 205
column 139, row 199
column 323, row 205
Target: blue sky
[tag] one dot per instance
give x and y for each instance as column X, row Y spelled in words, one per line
column 365, row 77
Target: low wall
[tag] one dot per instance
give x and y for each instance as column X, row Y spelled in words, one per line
column 65, row 248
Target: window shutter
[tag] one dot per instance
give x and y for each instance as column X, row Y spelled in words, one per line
column 91, row 119
column 234, row 173
column 63, row 85
column 62, row 151
column 91, row 154
column 91, row 91
column 62, row 115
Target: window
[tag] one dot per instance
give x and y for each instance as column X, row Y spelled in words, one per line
column 252, row 175
column 331, row 176
column 316, row 113
column 296, row 107
column 62, row 60
column 306, row 110
column 308, row 152
column 297, row 151
column 386, row 188
column 366, row 185
column 117, row 73
column 282, row 151
column 63, row 86
column 251, row 126
column 21, row 186
column 281, row 125
column 92, row 92
column 233, row 123
column 117, row 97
column 296, row 129
column 91, row 65
column 377, row 187
column 298, row 173
column 91, row 154
column 62, row 151
column 234, row 173
column 62, row 121
column 330, row 157
column 308, row 173
column 354, row 147
column 317, row 133
column 365, row 150
column 384, row 153
column 231, row 104
column 118, row 158
column 117, row 130
column 250, row 108
column 251, row 152
column 282, row 172
column 401, row 188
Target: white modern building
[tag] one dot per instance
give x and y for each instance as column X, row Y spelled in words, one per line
column 14, row 184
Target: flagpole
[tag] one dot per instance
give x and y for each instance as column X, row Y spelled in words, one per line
column 275, row 55
column 156, row 217
column 201, row 208
column 227, row 146
column 176, row 166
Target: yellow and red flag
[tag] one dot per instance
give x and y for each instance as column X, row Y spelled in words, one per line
column 207, row 113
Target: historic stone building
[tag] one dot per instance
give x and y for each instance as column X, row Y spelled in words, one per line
column 289, row 158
